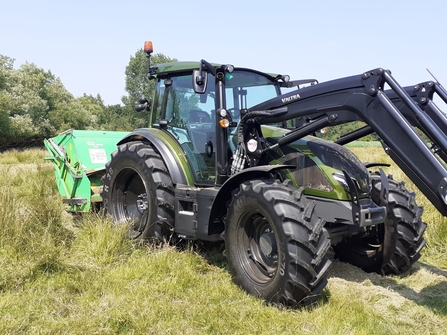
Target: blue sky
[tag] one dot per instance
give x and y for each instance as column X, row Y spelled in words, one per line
column 89, row 43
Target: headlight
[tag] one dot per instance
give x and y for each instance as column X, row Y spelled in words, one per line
column 341, row 180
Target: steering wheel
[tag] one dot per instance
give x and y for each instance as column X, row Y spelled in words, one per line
column 234, row 112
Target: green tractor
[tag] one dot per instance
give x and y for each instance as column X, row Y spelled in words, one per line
column 229, row 156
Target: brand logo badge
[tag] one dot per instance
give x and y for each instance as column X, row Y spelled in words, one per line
column 291, row 98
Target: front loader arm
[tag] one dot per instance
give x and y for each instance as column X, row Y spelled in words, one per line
column 432, row 121
column 423, row 95
column 362, row 98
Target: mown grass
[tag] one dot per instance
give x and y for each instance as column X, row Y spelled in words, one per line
column 64, row 274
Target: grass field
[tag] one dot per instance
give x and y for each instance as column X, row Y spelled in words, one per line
column 65, row 274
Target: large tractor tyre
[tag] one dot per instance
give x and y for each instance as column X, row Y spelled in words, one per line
column 393, row 247
column 274, row 243
column 138, row 190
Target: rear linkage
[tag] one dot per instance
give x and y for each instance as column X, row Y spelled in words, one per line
column 391, row 114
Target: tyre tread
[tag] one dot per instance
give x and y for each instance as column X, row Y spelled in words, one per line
column 308, row 262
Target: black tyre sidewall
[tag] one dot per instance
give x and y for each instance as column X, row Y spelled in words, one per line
column 297, row 265
column 404, row 228
column 127, row 158
column 243, row 206
column 395, row 253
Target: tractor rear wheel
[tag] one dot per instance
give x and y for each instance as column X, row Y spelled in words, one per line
column 138, row 190
column 393, row 247
column 274, row 243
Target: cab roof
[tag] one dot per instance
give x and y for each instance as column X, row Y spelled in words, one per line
column 187, row 66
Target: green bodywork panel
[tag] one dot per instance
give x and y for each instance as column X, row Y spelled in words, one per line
column 175, row 67
column 174, row 147
column 79, row 158
column 332, row 191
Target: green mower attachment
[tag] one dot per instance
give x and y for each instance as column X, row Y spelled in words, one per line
column 79, row 158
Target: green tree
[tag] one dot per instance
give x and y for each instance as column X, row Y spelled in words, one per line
column 335, row 132
column 6, row 66
column 6, row 71
column 28, row 96
column 138, row 85
column 94, row 106
column 77, row 113
column 115, row 117
column 35, row 104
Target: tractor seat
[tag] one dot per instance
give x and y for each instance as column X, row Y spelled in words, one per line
column 199, row 116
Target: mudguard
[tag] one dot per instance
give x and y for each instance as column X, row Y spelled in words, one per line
column 170, row 151
column 224, row 195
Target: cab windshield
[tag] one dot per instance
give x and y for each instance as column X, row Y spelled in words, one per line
column 191, row 116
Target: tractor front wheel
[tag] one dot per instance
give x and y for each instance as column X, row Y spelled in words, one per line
column 274, row 243
column 392, row 247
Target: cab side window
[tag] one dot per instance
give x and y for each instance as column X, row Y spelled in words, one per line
column 190, row 122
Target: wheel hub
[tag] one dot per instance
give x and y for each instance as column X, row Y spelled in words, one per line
column 142, row 203
column 267, row 243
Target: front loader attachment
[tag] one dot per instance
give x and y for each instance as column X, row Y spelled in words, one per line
column 79, row 158
column 392, row 114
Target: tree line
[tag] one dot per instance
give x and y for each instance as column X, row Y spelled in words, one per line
column 34, row 104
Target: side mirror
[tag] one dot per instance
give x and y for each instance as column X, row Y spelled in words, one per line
column 199, row 81
column 145, row 104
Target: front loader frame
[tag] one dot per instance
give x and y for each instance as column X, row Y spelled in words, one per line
column 391, row 114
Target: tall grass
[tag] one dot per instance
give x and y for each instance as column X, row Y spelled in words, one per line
column 66, row 274
column 30, row 156
column 32, row 239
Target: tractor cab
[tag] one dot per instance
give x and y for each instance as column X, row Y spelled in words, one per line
column 195, row 117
